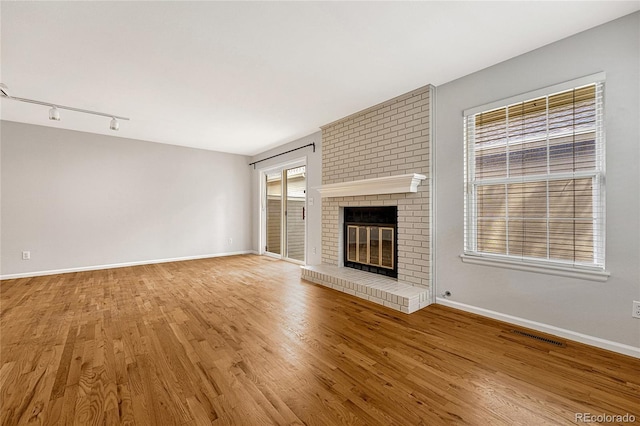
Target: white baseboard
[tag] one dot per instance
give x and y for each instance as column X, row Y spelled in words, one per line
column 119, row 265
column 545, row 328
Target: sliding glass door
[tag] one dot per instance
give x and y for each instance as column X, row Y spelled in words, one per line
column 274, row 213
column 285, row 216
column 295, row 213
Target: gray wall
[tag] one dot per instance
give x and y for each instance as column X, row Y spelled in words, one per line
column 601, row 310
column 78, row 200
column 314, row 180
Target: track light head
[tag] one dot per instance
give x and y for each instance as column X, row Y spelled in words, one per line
column 54, row 114
column 115, row 124
column 4, row 90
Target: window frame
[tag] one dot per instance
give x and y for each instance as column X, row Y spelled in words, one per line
column 588, row 271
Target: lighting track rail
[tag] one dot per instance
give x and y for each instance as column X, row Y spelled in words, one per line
column 54, row 114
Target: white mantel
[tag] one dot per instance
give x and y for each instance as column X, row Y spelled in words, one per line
column 382, row 185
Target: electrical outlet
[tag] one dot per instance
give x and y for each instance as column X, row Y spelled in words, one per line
column 230, row 241
column 314, row 250
column 26, row 255
column 636, row 309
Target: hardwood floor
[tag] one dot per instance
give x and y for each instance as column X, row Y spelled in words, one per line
column 243, row 341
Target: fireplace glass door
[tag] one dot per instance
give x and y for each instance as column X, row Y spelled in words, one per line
column 370, row 245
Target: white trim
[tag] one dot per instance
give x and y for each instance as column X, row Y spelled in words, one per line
column 545, row 328
column 382, row 185
column 273, row 255
column 120, row 265
column 262, row 229
column 294, row 261
column 432, row 191
column 262, row 208
column 289, row 164
column 541, row 268
column 600, row 250
column 567, row 85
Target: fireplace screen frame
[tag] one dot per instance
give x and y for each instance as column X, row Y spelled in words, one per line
column 367, row 222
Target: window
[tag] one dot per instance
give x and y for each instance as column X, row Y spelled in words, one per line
column 534, row 179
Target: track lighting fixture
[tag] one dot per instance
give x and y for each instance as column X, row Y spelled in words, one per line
column 54, row 113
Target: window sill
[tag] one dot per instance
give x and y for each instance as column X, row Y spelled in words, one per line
column 591, row 275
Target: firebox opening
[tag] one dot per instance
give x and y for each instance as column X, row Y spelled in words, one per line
column 371, row 239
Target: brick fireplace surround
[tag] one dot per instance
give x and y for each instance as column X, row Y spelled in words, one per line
column 389, row 139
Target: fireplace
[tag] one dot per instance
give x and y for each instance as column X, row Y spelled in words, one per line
column 370, row 239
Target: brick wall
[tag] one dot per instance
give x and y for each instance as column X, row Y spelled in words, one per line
column 388, row 139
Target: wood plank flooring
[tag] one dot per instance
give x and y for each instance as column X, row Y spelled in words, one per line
column 243, row 341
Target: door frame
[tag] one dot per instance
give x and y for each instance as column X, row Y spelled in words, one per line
column 262, row 232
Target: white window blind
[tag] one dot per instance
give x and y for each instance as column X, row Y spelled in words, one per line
column 534, row 186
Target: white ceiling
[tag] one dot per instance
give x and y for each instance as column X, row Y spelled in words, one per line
column 243, row 77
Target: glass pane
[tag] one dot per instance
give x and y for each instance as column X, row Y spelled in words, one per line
column 374, row 245
column 362, row 244
column 572, row 121
column 492, row 236
column 572, row 110
column 491, row 201
column 351, row 243
column 387, row 247
column 528, row 238
column 571, row 240
column 571, row 198
column 274, row 212
column 296, row 214
column 528, row 159
column 490, row 127
column 527, row 120
column 572, row 153
column 491, row 162
column 528, row 200
column 490, row 139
